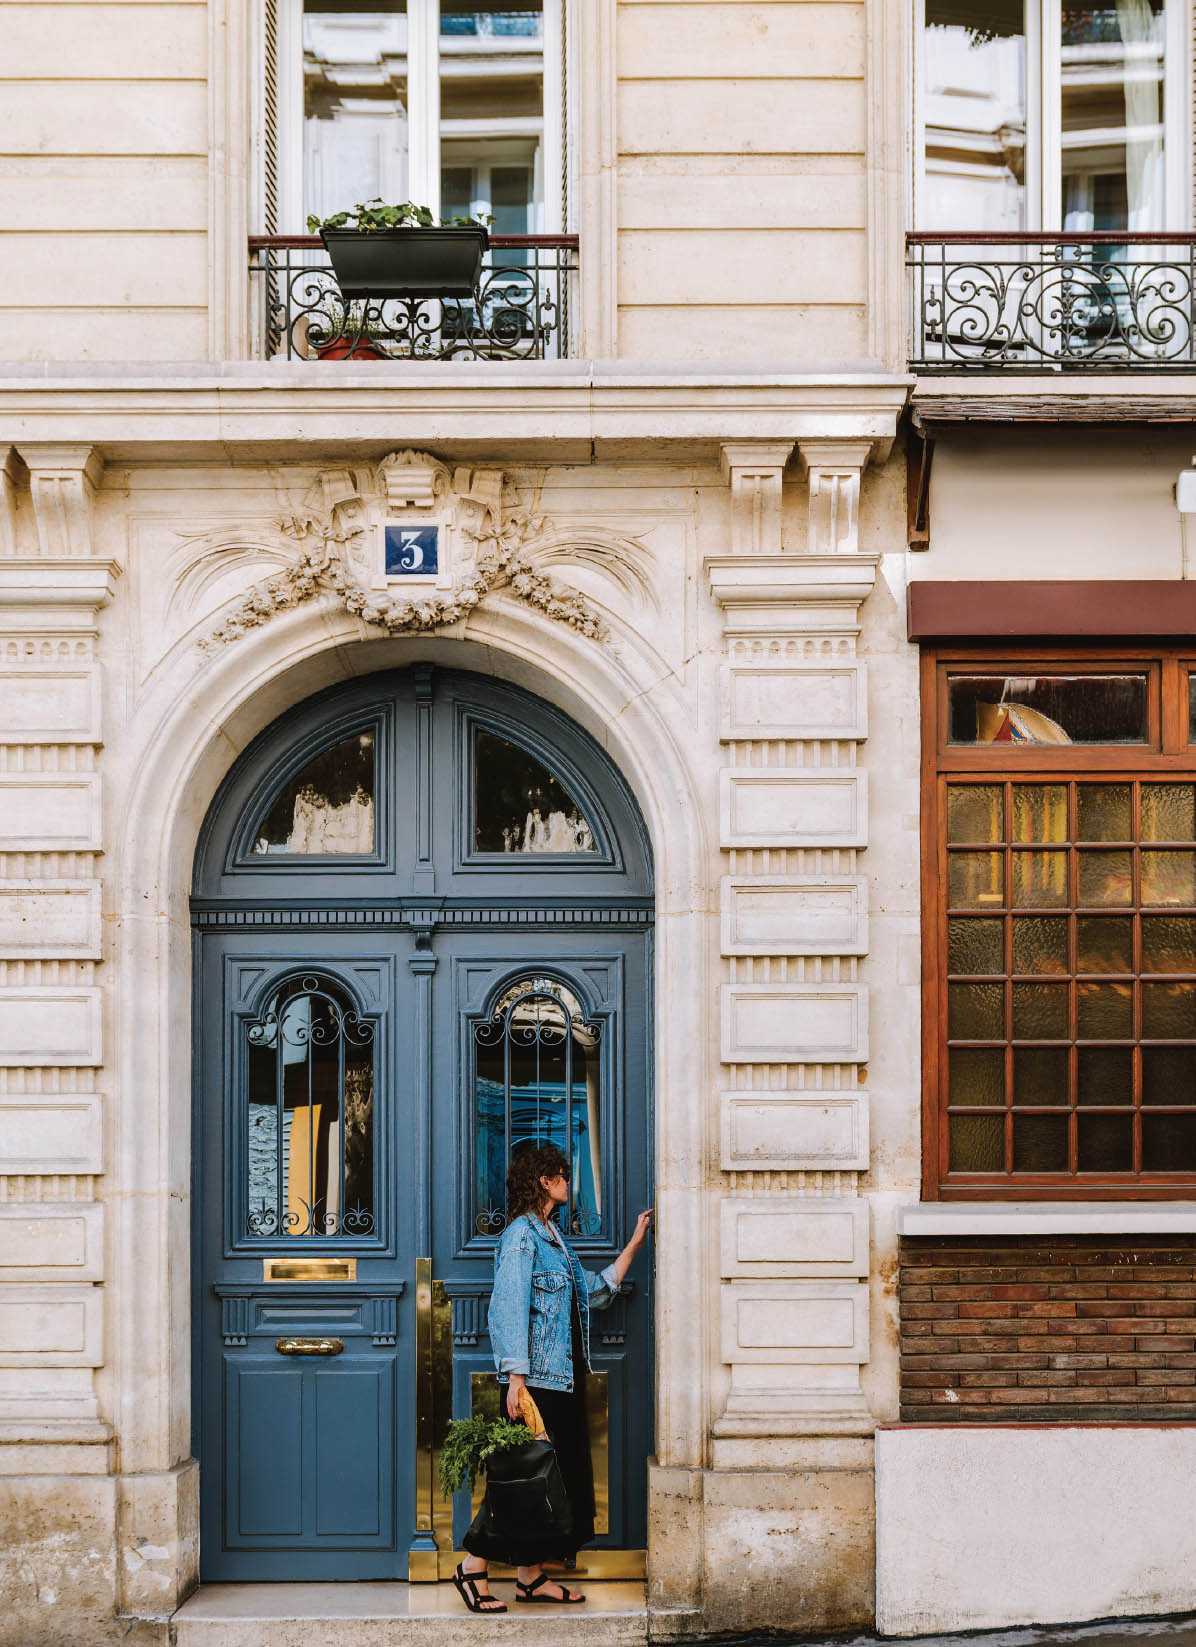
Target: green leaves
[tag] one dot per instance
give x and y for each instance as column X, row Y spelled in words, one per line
column 376, row 217
column 469, row 1442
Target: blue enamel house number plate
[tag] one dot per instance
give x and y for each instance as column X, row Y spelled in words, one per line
column 412, row 551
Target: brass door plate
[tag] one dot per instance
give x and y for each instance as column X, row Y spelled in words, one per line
column 309, row 1269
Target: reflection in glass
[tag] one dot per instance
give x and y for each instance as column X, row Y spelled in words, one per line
column 977, row 1076
column 1169, row 878
column 355, row 103
column 328, row 808
column 1104, row 879
column 492, row 115
column 1039, row 1012
column 309, row 1146
column 975, row 880
column 977, row 1143
column 1039, row 943
column 1047, row 709
column 1104, row 1012
column 519, row 806
column 1168, row 1143
column 537, row 1081
column 976, row 1012
column 1168, row 812
column 1104, row 943
column 1039, row 813
column 1169, row 1075
column 1040, row 1076
column 1039, row 880
column 1040, row 1143
column 1104, row 812
column 1106, row 1075
column 975, row 812
column 1104, row 1143
column 1112, row 115
column 974, row 946
column 974, row 165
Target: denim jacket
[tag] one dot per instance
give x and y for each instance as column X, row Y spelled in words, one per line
column 531, row 1327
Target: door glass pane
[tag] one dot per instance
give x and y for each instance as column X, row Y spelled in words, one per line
column 1168, row 943
column 1105, row 1075
column 1039, row 880
column 310, row 1116
column 1103, row 812
column 977, row 1143
column 1112, row 113
column 1039, row 812
column 1168, row 1143
column 1104, row 1012
column 977, row 1076
column 537, row 1080
column 1168, row 812
column 1040, row 1076
column 355, row 106
column 1169, row 878
column 1104, row 943
column 1047, row 709
column 1169, row 1012
column 974, row 107
column 1039, row 1012
column 1039, row 943
column 519, row 806
column 1169, row 1075
column 327, row 809
column 1040, row 1143
column 976, row 1012
column 1105, row 1143
column 1104, row 879
column 975, row 812
column 975, row 946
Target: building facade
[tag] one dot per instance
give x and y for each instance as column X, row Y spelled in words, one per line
column 715, row 695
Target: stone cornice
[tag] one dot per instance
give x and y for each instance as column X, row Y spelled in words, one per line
column 567, row 410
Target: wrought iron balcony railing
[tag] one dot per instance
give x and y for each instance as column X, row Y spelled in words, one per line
column 520, row 309
column 1052, row 302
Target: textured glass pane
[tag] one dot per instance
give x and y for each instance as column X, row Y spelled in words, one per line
column 1105, row 1075
column 976, row 1012
column 977, row 1143
column 1047, row 709
column 1040, row 943
column 519, row 806
column 1105, row 943
column 1169, row 1075
column 310, row 1115
column 1168, row 943
column 1040, row 1076
column 1104, row 1012
column 1039, row 880
column 975, row 946
column 1168, row 1143
column 1105, row 1143
column 1105, row 879
column 328, row 808
column 1168, row 878
column 536, row 1081
column 975, row 812
column 1039, row 812
column 977, row 1076
column 1168, row 812
column 1039, row 1012
column 1104, row 812
column 975, row 880
column 1168, row 1012
column 1040, row 1143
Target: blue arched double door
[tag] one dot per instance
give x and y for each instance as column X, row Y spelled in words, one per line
column 422, row 912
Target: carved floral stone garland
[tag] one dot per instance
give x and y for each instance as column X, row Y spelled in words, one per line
column 321, row 569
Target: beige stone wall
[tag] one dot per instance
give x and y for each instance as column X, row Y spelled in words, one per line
column 103, row 180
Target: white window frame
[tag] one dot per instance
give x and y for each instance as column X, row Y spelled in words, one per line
column 1044, row 133
column 426, row 131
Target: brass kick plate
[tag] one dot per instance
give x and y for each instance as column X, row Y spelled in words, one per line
column 309, row 1269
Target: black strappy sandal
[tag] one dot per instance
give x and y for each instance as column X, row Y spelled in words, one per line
column 467, row 1586
column 523, row 1592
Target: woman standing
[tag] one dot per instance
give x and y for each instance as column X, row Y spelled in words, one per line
column 540, row 1334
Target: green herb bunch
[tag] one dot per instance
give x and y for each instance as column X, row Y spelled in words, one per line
column 469, row 1443
column 375, row 217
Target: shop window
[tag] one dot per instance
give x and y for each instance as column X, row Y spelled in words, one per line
column 1060, row 927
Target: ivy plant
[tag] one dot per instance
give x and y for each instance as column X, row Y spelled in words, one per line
column 376, row 217
column 469, row 1442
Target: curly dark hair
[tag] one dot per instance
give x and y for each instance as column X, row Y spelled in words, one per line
column 525, row 1193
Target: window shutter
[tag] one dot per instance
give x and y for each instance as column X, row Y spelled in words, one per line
column 270, row 117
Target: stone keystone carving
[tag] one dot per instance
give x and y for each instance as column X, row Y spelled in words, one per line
column 492, row 534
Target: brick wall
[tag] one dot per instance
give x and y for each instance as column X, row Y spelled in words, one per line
column 1059, row 1329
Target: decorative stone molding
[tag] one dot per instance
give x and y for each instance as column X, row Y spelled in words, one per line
column 489, row 537
column 835, row 469
column 810, row 1130
column 62, row 484
column 9, row 470
column 754, row 470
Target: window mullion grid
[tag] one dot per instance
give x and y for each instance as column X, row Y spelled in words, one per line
column 1136, row 977
column 1073, row 1053
column 1007, row 830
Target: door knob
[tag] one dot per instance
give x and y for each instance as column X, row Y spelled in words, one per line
column 309, row 1346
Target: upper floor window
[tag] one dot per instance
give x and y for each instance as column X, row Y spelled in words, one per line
column 1048, row 114
column 454, row 108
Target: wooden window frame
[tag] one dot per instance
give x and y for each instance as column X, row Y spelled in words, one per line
column 1168, row 751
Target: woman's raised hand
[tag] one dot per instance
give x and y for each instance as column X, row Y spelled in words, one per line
column 640, row 1234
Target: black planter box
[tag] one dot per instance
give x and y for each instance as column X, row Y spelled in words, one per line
column 406, row 262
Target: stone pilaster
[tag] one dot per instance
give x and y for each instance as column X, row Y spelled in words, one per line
column 794, row 1237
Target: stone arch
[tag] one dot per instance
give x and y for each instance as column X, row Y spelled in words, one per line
column 196, row 721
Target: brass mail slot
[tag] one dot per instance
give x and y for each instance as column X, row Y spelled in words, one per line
column 309, row 1269
column 310, row 1346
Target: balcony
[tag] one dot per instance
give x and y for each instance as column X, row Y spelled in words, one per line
column 521, row 309
column 1021, row 302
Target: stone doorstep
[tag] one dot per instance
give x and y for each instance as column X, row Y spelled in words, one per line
column 392, row 1615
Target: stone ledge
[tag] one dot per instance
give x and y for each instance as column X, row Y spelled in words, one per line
column 937, row 1218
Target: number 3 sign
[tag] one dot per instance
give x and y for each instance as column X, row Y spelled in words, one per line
column 412, row 551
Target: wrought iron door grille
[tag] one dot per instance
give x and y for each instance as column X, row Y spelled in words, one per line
column 520, row 309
